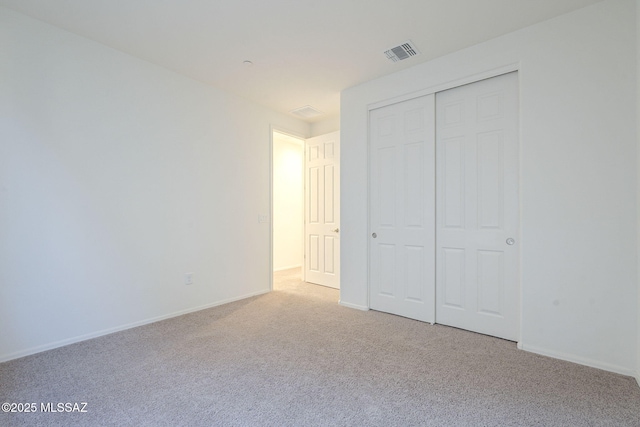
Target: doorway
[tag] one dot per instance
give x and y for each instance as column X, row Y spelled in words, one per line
column 305, row 199
column 287, row 207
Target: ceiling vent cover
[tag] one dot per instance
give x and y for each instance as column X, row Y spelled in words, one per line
column 404, row 51
column 306, row 112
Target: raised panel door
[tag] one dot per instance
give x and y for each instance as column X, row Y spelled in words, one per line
column 477, row 218
column 402, row 212
column 322, row 210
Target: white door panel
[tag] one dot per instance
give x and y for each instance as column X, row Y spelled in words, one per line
column 402, row 211
column 477, row 273
column 322, row 210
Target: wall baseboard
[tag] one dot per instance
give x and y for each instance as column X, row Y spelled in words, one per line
column 356, row 306
column 580, row 360
column 69, row 341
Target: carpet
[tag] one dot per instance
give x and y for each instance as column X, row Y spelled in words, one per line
column 294, row 357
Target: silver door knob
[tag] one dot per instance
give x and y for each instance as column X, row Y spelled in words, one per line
column 337, row 230
column 374, row 235
column 510, row 241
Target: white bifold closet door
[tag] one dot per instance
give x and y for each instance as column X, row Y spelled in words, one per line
column 402, row 211
column 477, row 215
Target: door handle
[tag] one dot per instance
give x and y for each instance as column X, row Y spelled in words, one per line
column 374, row 235
column 337, row 230
column 510, row 241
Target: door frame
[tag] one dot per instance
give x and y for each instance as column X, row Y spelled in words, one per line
column 440, row 87
column 272, row 130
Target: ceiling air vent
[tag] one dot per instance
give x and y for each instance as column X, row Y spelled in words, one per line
column 404, row 51
column 306, row 112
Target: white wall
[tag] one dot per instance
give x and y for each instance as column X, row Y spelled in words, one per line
column 578, row 178
column 288, row 202
column 327, row 125
column 116, row 178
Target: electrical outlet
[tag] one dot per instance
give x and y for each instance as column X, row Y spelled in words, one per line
column 188, row 278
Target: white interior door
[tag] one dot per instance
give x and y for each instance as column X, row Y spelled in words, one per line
column 477, row 249
column 322, row 210
column 402, row 211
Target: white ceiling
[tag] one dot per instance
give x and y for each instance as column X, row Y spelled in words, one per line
column 304, row 51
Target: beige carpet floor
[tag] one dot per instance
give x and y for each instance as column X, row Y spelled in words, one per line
column 294, row 357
